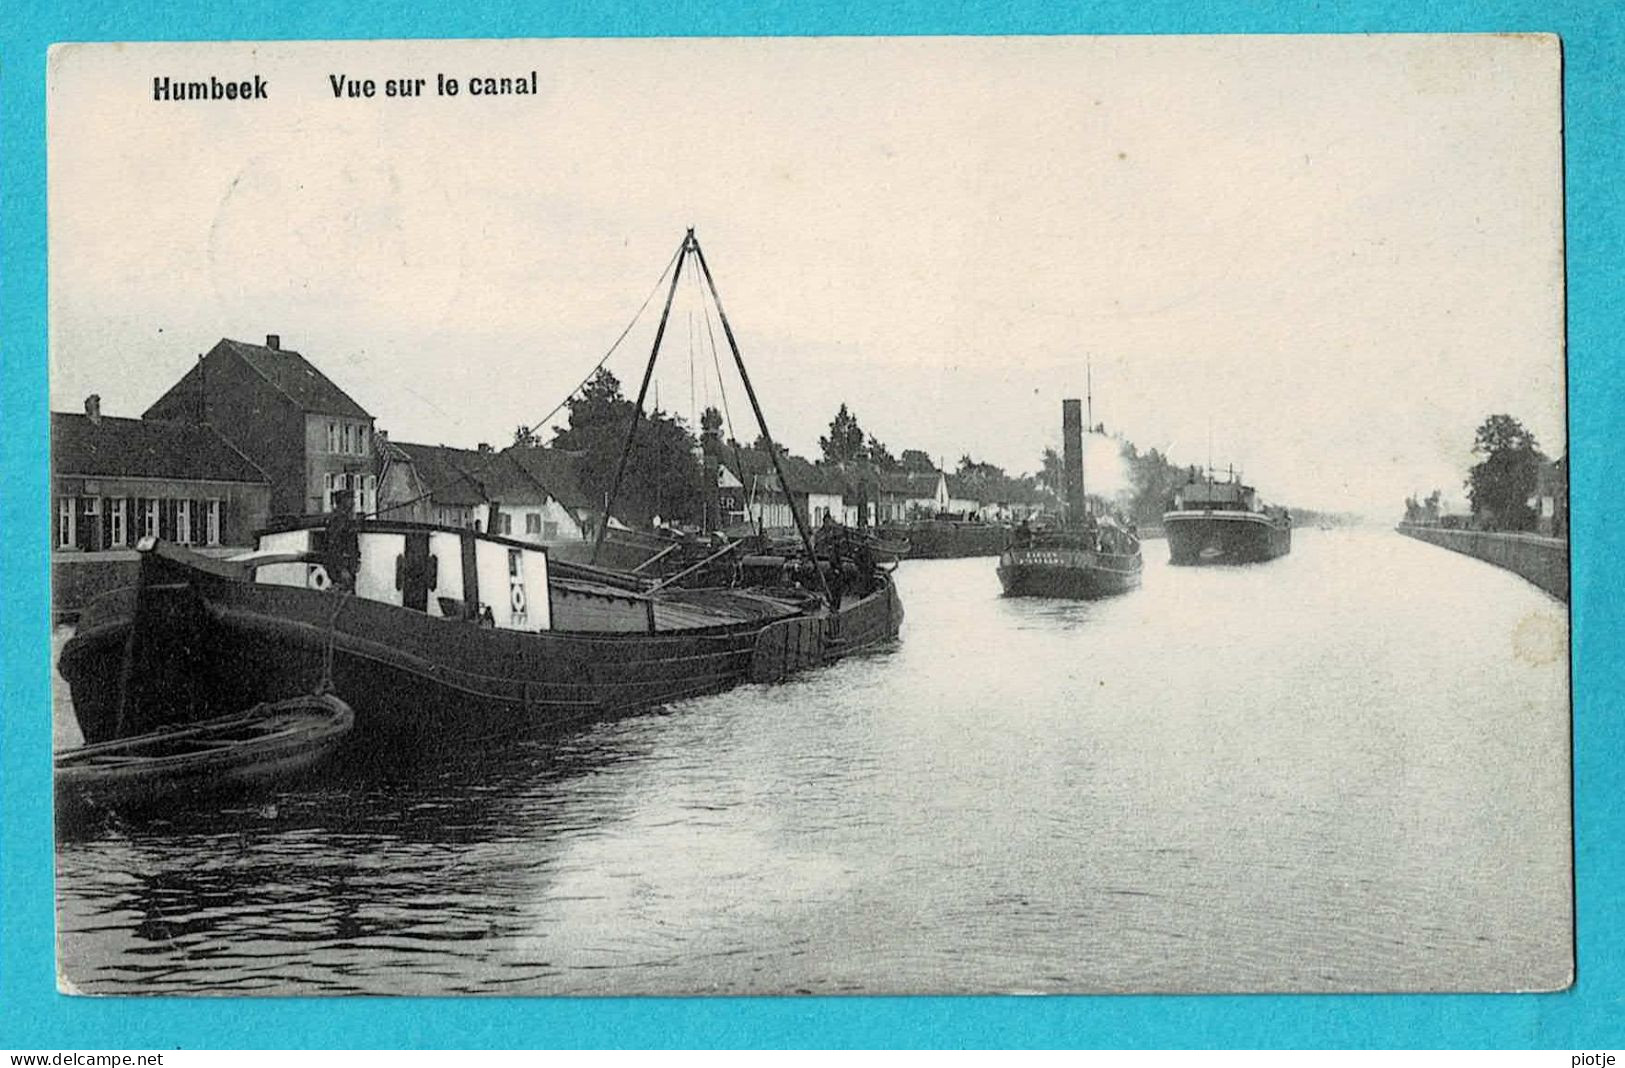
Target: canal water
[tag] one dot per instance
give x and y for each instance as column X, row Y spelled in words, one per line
column 1346, row 769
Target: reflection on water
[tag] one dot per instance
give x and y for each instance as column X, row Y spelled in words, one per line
column 1331, row 771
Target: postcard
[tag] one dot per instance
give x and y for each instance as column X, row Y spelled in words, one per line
column 810, row 516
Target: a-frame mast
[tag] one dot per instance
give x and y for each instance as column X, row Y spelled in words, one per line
column 643, row 390
column 691, row 246
column 761, row 420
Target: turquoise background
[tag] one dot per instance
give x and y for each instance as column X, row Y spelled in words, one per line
column 32, row 1015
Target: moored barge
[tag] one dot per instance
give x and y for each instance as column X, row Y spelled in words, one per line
column 441, row 634
column 438, row 635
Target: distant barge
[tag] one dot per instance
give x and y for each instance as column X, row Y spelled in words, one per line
column 1222, row 522
column 947, row 539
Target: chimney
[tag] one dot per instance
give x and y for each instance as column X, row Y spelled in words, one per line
column 273, row 342
column 485, row 446
column 93, row 408
column 1072, row 460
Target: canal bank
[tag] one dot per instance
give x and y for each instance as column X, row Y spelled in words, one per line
column 1542, row 561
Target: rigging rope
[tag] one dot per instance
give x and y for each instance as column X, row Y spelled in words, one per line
column 326, row 683
column 716, row 361
column 469, row 475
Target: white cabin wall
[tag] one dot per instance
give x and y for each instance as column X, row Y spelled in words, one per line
column 286, row 541
column 447, row 550
column 496, row 592
column 379, row 555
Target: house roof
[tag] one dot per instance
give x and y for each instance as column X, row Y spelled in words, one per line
column 445, row 480
column 919, row 484
column 516, row 475
column 297, row 379
column 556, row 471
column 803, row 477
column 145, row 448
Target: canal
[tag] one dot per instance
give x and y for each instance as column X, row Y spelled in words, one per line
column 1346, row 769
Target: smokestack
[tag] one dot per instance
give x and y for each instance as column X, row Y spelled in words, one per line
column 93, row 408
column 273, row 342
column 1072, row 460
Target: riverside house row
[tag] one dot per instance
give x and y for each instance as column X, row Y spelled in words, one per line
column 255, row 431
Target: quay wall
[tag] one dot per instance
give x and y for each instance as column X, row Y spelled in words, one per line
column 79, row 578
column 1543, row 561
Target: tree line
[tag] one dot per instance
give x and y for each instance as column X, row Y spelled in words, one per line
column 664, row 476
column 1503, row 487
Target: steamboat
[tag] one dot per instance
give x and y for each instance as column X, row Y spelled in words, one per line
column 440, row 635
column 1086, row 557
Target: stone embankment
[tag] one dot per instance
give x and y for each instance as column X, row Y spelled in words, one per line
column 1543, row 561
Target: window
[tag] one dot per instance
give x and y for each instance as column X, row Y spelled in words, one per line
column 120, row 531
column 212, row 530
column 550, row 531
column 65, row 511
column 183, row 522
column 149, row 518
column 90, row 523
column 533, row 523
column 363, row 490
column 332, row 438
column 504, row 523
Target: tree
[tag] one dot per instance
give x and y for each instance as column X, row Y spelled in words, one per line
column 1052, row 474
column 526, row 437
column 1500, row 485
column 916, row 461
column 662, row 476
column 881, row 456
column 1153, row 479
column 845, row 441
column 711, row 423
column 760, row 446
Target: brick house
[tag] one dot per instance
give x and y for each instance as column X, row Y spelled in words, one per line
column 114, row 481
column 307, row 435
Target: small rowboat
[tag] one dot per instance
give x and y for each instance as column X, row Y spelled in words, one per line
column 267, row 742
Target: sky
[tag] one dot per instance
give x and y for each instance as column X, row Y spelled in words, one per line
column 1330, row 257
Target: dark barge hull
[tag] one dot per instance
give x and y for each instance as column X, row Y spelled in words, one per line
column 1026, row 573
column 941, row 539
column 1235, row 538
column 203, row 642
